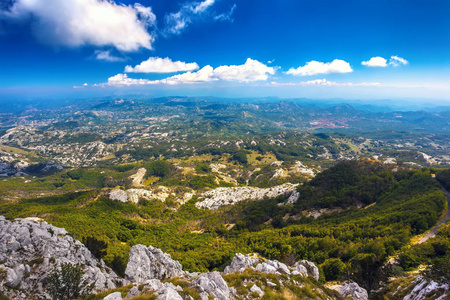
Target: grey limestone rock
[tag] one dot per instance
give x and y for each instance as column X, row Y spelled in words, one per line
column 150, row 263
column 240, row 262
column 133, row 292
column 168, row 293
column 272, row 266
column 212, row 284
column 30, row 249
column 309, row 266
column 352, row 289
column 113, row 296
column 256, row 289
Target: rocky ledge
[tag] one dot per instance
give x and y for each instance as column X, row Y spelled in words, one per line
column 29, row 250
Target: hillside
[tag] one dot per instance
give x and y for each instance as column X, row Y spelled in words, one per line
column 368, row 212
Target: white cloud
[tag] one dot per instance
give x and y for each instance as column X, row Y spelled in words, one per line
column 177, row 22
column 161, row 65
column 205, row 74
column 228, row 16
column 323, row 82
column 252, row 70
column 76, row 23
column 122, row 79
column 379, row 61
column 201, row 6
column 316, row 67
column 376, row 61
column 106, row 55
column 397, row 61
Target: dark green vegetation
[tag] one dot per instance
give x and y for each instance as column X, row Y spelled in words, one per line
column 67, row 283
column 352, row 242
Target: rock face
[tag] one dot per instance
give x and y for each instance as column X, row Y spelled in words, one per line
column 240, row 262
column 309, row 266
column 29, row 250
column 353, row 290
column 218, row 197
column 211, row 284
column 149, row 263
column 424, row 288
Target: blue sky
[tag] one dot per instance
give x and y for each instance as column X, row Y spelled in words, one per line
column 252, row 48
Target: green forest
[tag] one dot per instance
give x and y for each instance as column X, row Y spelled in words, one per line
column 379, row 210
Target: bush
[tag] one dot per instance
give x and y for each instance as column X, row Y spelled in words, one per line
column 67, row 283
column 159, row 168
column 333, row 269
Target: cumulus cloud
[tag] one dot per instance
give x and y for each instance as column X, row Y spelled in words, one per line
column 376, row 61
column 397, row 61
column 161, row 65
column 76, row 23
column 252, row 70
column 107, row 56
column 317, row 67
column 379, row 61
column 177, row 22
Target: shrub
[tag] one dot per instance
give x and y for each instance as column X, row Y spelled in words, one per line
column 67, row 283
column 333, row 268
column 159, row 168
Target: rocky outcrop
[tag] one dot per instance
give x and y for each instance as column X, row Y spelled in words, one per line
column 295, row 195
column 309, row 266
column 272, row 266
column 218, row 197
column 424, row 288
column 133, row 195
column 150, row 263
column 211, row 284
column 353, row 290
column 240, row 262
column 29, row 250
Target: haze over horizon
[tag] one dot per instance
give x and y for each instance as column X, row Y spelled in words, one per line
column 287, row 49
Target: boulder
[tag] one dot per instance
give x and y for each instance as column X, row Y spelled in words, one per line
column 353, row 290
column 113, row 296
column 256, row 289
column 150, row 263
column 168, row 293
column 211, row 284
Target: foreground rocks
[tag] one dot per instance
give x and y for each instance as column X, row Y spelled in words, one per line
column 149, row 263
column 29, row 250
column 354, row 291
